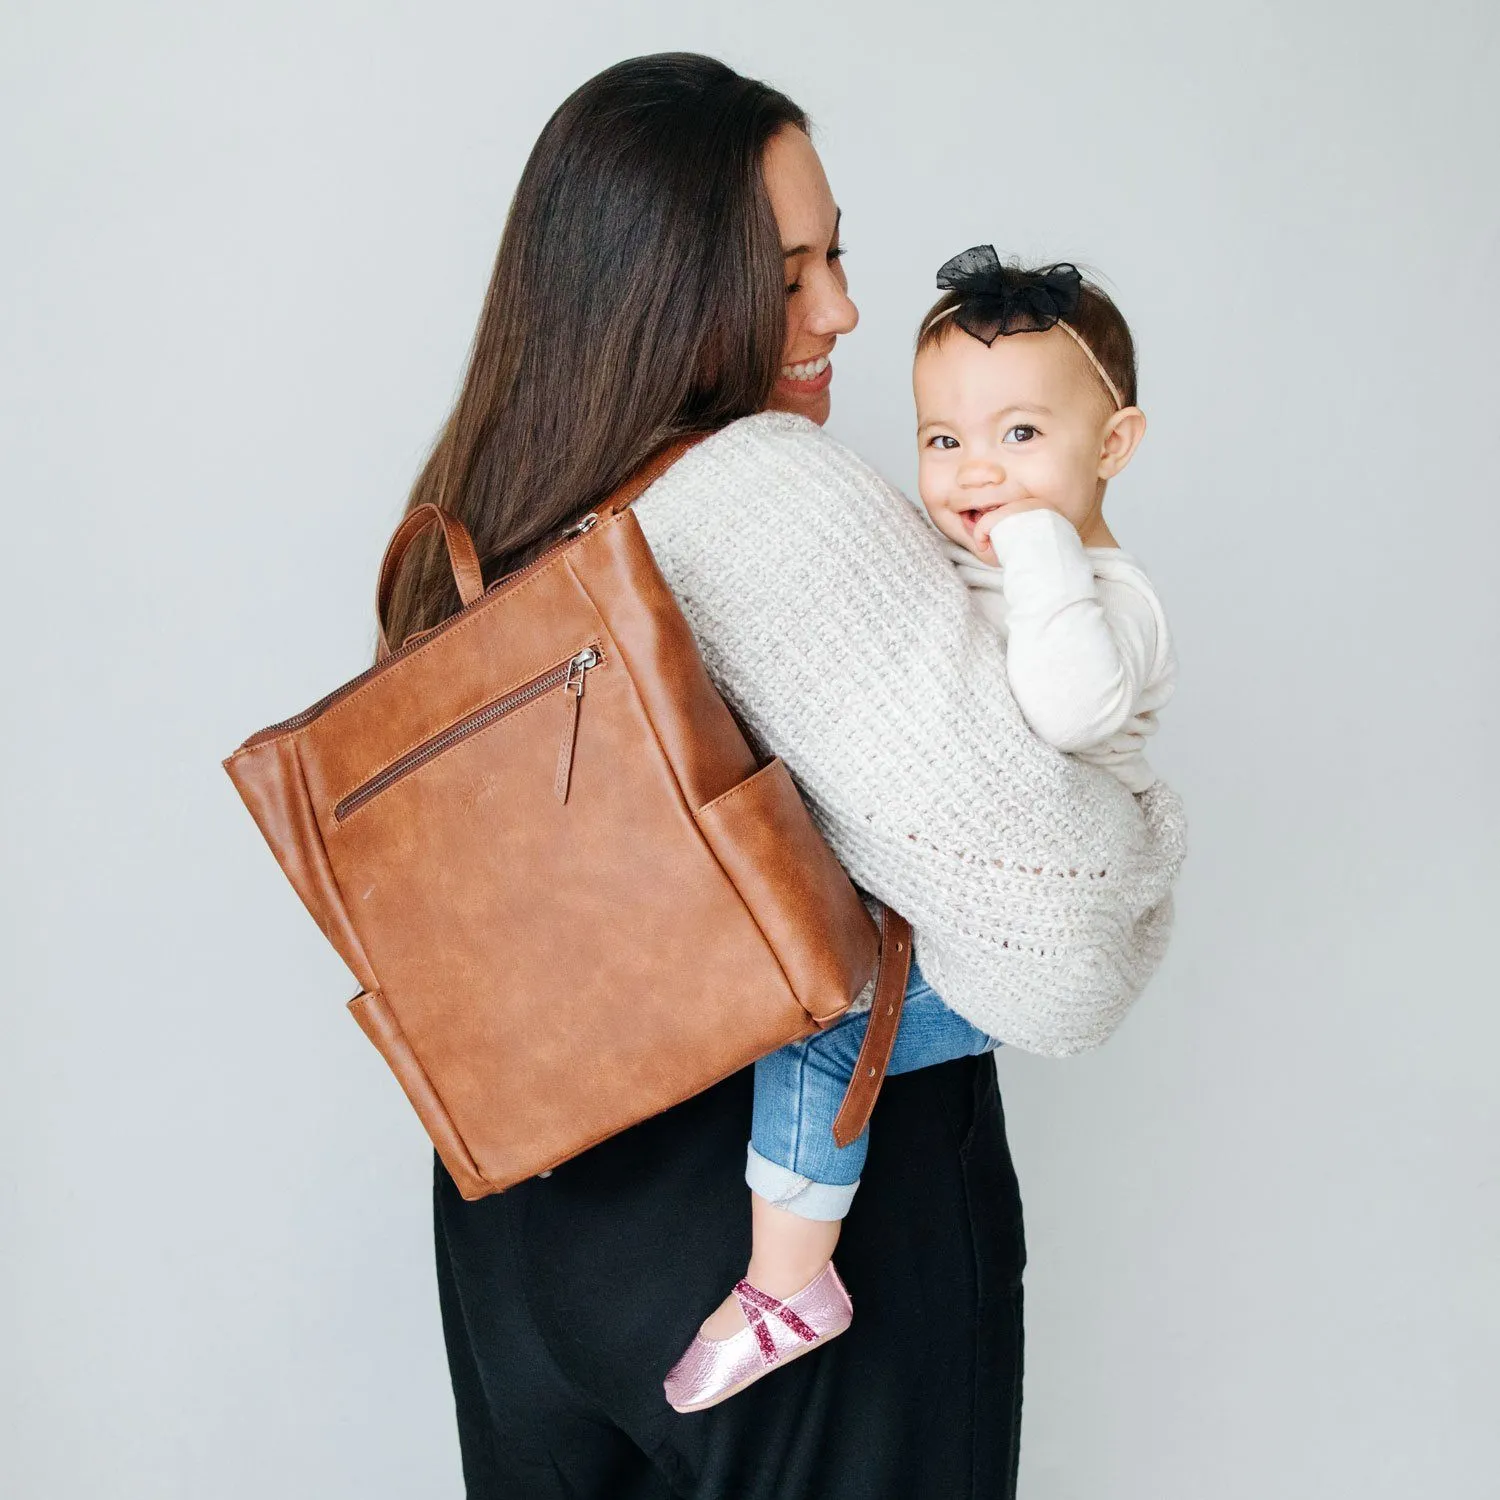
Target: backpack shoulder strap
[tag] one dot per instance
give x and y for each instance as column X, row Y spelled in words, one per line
column 895, row 932
column 647, row 475
column 880, row 1033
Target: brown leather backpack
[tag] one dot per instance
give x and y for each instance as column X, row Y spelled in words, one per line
column 538, row 838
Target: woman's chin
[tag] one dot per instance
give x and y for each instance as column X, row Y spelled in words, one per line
column 806, row 398
column 814, row 405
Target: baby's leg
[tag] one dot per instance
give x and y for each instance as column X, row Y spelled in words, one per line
column 801, row 1182
column 931, row 1033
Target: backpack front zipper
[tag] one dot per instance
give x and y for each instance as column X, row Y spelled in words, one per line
column 568, row 675
column 423, row 638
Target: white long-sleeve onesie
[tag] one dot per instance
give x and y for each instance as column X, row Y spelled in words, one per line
column 1088, row 651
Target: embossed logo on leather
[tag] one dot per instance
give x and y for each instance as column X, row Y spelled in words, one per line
column 480, row 791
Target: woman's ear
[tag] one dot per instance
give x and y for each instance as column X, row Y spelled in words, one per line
column 1122, row 436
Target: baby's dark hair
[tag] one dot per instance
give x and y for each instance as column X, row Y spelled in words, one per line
column 1095, row 318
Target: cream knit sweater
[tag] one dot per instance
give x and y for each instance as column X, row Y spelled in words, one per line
column 1039, row 888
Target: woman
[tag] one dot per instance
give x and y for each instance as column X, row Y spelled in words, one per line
column 671, row 265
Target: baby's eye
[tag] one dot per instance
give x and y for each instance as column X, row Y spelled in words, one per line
column 943, row 441
column 1020, row 433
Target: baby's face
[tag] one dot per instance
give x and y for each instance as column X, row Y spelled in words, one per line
column 1020, row 424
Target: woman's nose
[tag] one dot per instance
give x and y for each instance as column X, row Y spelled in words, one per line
column 835, row 313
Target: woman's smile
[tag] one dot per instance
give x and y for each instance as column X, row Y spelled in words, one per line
column 808, row 377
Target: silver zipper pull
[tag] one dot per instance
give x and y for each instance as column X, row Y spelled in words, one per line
column 578, row 669
column 585, row 525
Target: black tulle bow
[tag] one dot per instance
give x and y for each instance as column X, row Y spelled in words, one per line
column 996, row 299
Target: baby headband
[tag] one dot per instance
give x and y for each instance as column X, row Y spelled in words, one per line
column 997, row 299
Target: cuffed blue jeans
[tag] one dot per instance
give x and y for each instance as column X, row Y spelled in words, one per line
column 793, row 1161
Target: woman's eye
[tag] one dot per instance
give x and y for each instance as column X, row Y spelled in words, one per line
column 834, row 257
column 943, row 441
column 1020, row 433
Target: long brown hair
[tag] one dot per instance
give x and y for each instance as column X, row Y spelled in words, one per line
column 637, row 295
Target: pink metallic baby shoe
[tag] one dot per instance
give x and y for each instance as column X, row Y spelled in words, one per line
column 712, row 1370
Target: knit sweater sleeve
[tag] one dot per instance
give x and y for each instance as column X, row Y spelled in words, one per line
column 1038, row 887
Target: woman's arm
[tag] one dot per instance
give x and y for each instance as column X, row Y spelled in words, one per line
column 829, row 619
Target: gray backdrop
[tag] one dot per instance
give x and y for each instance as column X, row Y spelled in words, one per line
column 242, row 259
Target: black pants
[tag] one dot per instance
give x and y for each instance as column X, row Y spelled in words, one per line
column 566, row 1300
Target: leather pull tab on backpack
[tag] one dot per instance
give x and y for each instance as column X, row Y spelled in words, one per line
column 578, row 670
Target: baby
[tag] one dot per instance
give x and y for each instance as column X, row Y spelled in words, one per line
column 1017, row 438
column 1025, row 394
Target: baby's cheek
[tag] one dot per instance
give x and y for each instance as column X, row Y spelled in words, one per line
column 929, row 489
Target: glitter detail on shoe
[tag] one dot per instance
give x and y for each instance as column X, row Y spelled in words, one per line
column 755, row 1304
column 711, row 1370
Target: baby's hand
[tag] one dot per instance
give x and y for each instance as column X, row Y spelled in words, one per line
column 992, row 518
